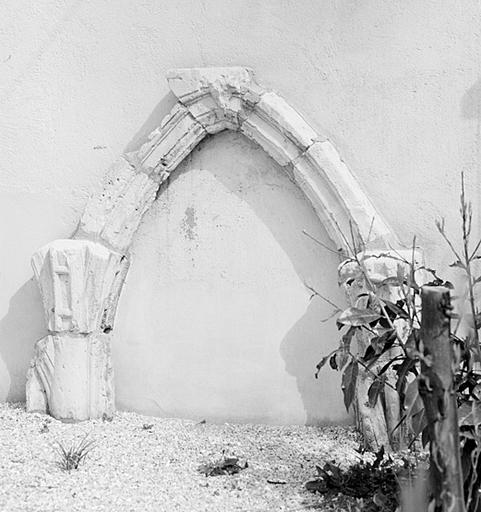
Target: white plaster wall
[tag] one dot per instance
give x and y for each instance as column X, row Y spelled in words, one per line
column 215, row 320
column 395, row 85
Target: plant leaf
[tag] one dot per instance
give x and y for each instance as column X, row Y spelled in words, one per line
column 333, row 362
column 375, row 389
column 320, row 364
column 412, row 400
column 347, row 339
column 393, row 281
column 469, row 414
column 395, row 310
column 369, row 354
column 349, row 379
column 402, row 371
column 388, row 364
column 418, row 422
column 357, row 316
column 317, row 485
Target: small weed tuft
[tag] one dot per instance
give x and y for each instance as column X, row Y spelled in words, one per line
column 71, row 457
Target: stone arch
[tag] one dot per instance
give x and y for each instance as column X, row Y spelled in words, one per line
column 81, row 279
column 211, row 100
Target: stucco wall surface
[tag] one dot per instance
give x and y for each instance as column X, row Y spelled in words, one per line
column 215, row 319
column 395, row 85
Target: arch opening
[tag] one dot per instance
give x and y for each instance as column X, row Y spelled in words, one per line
column 81, row 279
column 219, row 267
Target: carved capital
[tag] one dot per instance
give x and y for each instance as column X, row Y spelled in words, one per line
column 384, row 269
column 75, row 278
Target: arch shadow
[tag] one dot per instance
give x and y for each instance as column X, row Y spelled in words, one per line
column 308, row 338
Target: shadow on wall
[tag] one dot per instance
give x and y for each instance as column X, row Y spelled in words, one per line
column 308, row 339
column 20, row 328
column 471, row 102
column 153, row 121
column 471, row 109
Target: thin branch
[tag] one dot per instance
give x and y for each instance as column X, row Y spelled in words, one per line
column 338, row 252
column 466, row 210
column 376, row 377
column 473, row 254
column 370, row 231
column 317, row 294
column 440, row 226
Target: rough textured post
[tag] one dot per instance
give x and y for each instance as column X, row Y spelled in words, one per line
column 436, row 389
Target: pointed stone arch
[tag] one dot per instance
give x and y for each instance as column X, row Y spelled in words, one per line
column 211, row 100
column 81, row 279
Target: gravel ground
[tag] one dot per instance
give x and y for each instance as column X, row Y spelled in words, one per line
column 141, row 463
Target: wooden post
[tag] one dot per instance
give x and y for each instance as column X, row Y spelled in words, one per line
column 436, row 390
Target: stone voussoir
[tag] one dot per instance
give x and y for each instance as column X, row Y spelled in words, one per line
column 125, row 217
column 100, row 204
column 219, row 98
column 278, row 129
column 170, row 143
column 287, row 120
column 346, row 198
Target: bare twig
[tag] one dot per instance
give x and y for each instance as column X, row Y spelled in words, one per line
column 315, row 293
column 338, row 252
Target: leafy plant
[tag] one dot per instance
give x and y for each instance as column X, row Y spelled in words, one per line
column 72, row 456
column 390, row 331
column 376, row 482
column 394, row 350
column 468, row 375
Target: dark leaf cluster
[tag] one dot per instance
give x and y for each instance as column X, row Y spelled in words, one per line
column 377, row 482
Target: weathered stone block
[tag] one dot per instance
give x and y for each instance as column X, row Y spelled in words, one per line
column 113, row 214
column 126, row 214
column 170, row 143
column 75, row 278
column 269, row 138
column 101, row 204
column 338, row 193
column 71, row 377
column 327, row 204
column 289, row 122
column 219, row 98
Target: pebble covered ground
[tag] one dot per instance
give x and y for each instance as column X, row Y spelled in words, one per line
column 142, row 463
